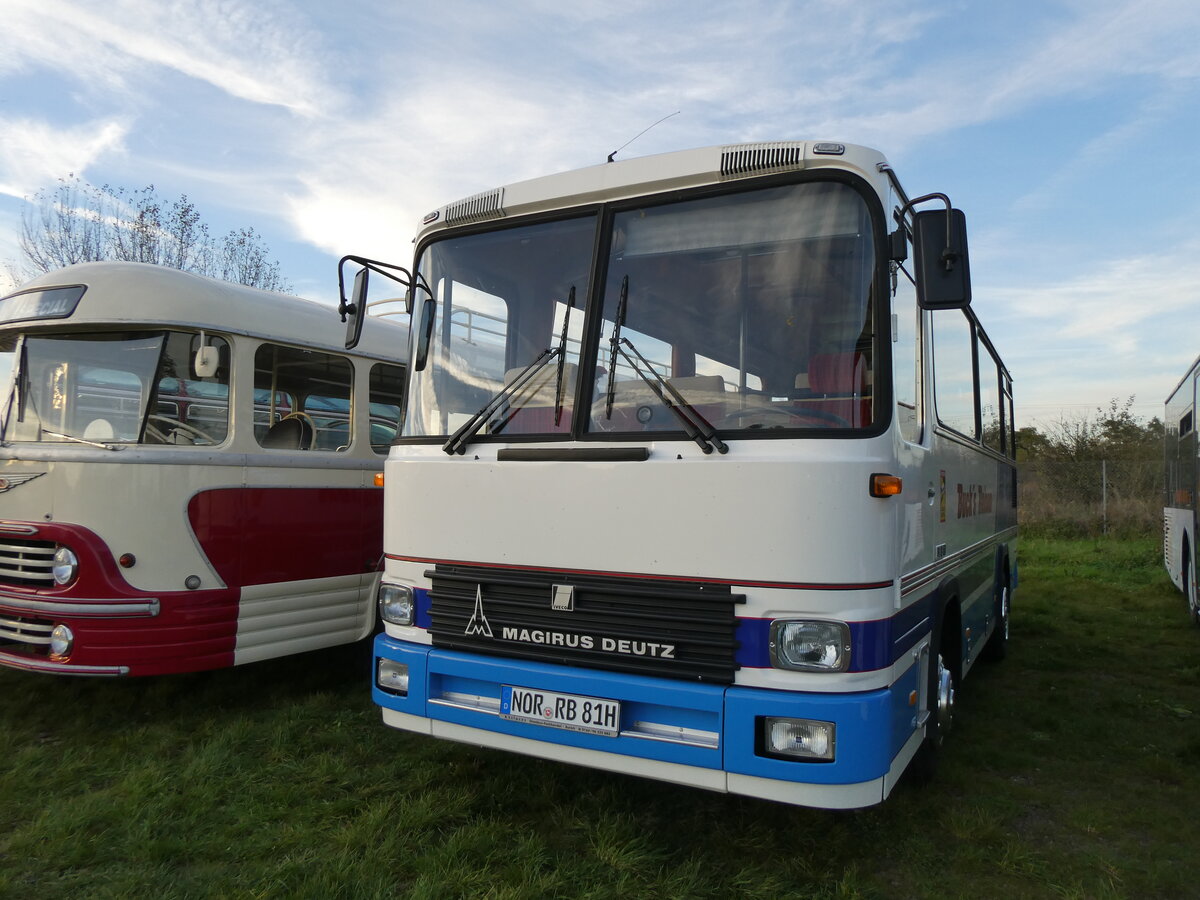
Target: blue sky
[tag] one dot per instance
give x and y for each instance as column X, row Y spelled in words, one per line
column 1065, row 129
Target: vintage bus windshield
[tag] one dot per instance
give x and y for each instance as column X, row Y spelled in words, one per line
column 112, row 387
column 756, row 307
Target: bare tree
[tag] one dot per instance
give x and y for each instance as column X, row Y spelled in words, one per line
column 79, row 222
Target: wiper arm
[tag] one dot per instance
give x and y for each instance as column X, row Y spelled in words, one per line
column 562, row 357
column 79, row 440
column 614, row 342
column 459, row 440
column 698, row 428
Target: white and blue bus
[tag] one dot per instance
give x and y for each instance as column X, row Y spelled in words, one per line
column 706, row 474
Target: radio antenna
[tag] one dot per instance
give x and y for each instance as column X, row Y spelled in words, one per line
column 639, row 134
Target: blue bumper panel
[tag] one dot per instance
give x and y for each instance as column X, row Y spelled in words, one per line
column 699, row 725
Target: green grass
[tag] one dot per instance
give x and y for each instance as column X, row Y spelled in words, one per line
column 1072, row 771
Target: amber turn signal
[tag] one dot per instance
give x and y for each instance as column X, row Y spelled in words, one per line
column 378, row 479
column 885, row 485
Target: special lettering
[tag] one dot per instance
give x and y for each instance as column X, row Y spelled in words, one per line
column 549, row 638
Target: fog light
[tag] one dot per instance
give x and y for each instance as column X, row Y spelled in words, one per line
column 799, row 738
column 62, row 639
column 810, row 645
column 392, row 676
column 395, row 603
column 66, row 566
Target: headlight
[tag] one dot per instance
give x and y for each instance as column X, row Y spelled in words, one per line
column 392, row 676
column 66, row 566
column 62, row 639
column 799, row 738
column 811, row 646
column 395, row 603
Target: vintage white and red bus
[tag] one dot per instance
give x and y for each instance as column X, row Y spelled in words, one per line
column 714, row 470
column 1181, row 488
column 187, row 472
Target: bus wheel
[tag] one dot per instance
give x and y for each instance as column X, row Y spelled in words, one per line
column 941, row 717
column 997, row 646
column 1189, row 586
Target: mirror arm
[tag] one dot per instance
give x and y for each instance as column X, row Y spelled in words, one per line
column 387, row 270
column 949, row 257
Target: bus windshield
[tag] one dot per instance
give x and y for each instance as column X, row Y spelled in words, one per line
column 756, row 309
column 109, row 388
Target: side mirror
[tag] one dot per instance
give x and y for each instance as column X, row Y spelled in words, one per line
column 424, row 333
column 356, row 310
column 206, row 362
column 940, row 251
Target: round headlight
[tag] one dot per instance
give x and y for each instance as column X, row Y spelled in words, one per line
column 66, row 566
column 62, row 639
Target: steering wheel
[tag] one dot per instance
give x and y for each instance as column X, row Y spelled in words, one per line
column 174, row 425
column 819, row 415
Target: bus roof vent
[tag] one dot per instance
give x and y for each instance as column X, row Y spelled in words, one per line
column 489, row 205
column 742, row 160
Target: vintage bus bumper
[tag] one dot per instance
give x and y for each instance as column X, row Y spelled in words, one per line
column 707, row 736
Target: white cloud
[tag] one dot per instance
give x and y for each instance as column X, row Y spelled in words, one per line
column 34, row 153
column 249, row 50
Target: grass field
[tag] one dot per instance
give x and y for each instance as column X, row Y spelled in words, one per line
column 1073, row 771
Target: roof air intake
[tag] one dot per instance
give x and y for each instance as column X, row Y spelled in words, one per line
column 742, row 160
column 489, row 205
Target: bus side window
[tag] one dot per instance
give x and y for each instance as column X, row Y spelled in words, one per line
column 189, row 409
column 305, row 396
column 906, row 356
column 954, row 371
column 386, row 390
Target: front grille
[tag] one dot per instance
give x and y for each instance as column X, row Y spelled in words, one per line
column 672, row 629
column 27, row 562
column 32, row 634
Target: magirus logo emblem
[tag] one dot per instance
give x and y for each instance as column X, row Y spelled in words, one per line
column 479, row 623
column 8, row 482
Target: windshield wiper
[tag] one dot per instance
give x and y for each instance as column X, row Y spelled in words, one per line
column 562, row 357
column 79, row 440
column 459, row 440
column 698, row 428
column 614, row 342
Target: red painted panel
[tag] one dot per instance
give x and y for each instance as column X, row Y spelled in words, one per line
column 263, row 535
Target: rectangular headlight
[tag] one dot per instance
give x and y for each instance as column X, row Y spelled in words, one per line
column 395, row 603
column 810, row 645
column 392, row 676
column 799, row 738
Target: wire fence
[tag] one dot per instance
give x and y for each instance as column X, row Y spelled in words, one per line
column 1090, row 498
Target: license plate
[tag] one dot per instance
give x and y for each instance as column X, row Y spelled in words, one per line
column 593, row 715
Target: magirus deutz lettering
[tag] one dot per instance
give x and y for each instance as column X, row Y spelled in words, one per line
column 587, row 642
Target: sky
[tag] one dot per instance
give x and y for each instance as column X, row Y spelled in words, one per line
column 1064, row 129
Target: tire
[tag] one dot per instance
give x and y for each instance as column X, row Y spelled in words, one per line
column 940, row 705
column 1190, row 590
column 997, row 646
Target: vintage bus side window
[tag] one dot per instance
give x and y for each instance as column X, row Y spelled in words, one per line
column 954, row 371
column 305, row 395
column 386, row 390
column 187, row 409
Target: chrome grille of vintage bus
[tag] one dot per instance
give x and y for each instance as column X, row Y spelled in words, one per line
column 672, row 629
column 33, row 633
column 27, row 562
